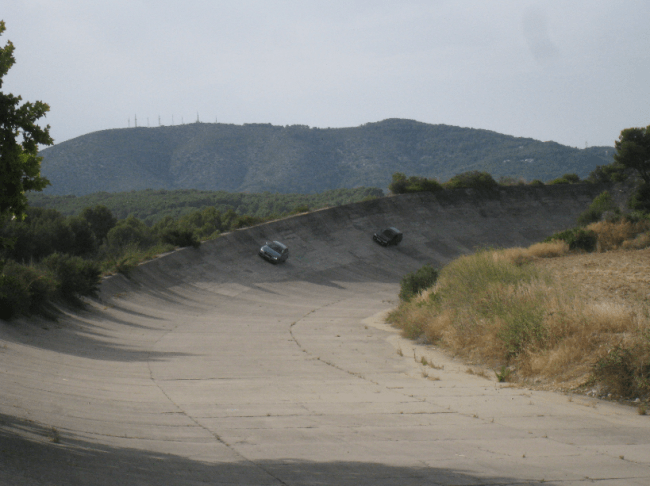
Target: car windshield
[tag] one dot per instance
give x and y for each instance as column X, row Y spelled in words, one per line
column 389, row 233
column 276, row 247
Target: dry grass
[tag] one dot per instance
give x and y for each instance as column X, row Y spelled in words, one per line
column 612, row 235
column 558, row 321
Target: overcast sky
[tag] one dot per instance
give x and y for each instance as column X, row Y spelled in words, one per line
column 572, row 71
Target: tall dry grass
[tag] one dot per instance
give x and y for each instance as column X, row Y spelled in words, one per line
column 621, row 234
column 501, row 309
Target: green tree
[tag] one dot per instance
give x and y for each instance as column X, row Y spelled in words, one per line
column 633, row 151
column 472, row 179
column 100, row 219
column 20, row 136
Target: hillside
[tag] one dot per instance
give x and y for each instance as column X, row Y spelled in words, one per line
column 298, row 159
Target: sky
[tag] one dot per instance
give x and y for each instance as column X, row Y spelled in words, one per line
column 576, row 72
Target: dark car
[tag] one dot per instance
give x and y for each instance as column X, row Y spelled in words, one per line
column 387, row 237
column 274, row 252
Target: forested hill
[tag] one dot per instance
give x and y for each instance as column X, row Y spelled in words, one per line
column 298, row 159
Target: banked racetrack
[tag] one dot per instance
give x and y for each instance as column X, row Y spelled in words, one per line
column 212, row 366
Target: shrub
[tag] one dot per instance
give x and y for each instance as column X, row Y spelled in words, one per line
column 601, row 204
column 180, row 237
column 76, row 277
column 401, row 185
column 13, row 297
column 625, row 371
column 577, row 239
column 611, row 235
column 130, row 231
column 398, row 183
column 303, row 208
column 565, row 179
column 473, row 180
column 25, row 289
column 536, row 182
column 413, row 283
column 245, row 221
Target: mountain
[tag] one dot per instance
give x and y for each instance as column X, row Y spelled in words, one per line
column 298, row 159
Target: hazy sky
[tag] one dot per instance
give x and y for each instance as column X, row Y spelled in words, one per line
column 572, row 71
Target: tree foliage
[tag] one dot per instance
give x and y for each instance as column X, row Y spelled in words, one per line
column 633, row 151
column 603, row 203
column 400, row 184
column 472, row 179
column 20, row 136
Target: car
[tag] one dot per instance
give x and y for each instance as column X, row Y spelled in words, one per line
column 387, row 237
column 274, row 252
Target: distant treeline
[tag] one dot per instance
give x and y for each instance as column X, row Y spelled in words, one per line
column 473, row 179
column 151, row 206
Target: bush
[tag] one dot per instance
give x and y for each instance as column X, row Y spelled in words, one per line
column 625, row 371
column 129, row 231
column 76, row 277
column 577, row 238
column 303, row 208
column 415, row 282
column 180, row 237
column 601, row 204
column 13, row 297
column 536, row 182
column 402, row 185
column 472, row 180
column 565, row 179
column 245, row 221
column 25, row 289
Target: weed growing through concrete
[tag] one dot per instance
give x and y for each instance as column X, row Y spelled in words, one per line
column 503, row 374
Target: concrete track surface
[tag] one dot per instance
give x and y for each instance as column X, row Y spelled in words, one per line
column 212, row 366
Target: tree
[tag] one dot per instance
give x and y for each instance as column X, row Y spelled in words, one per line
column 100, row 219
column 633, row 151
column 20, row 136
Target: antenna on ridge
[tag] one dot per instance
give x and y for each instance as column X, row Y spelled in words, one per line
column 172, row 119
column 158, row 120
column 197, row 117
column 136, row 121
column 129, row 122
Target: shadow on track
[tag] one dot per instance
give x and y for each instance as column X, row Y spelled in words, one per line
column 31, row 453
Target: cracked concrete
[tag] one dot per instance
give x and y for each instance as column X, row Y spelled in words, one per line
column 212, row 366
